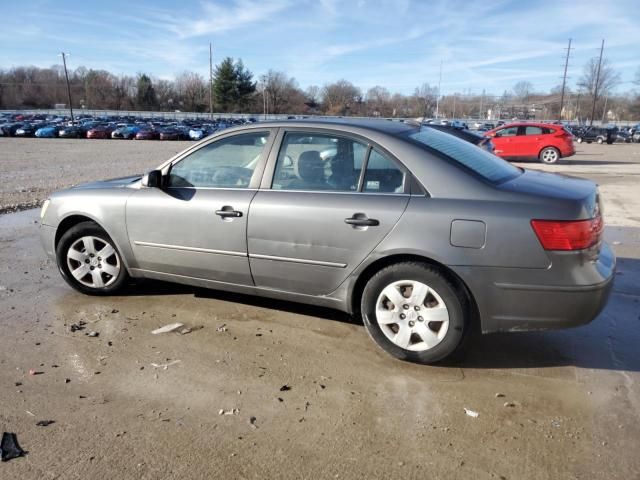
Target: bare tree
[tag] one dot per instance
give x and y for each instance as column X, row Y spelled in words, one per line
column 283, row 94
column 379, row 102
column 607, row 80
column 341, row 97
column 192, row 90
column 425, row 99
column 522, row 90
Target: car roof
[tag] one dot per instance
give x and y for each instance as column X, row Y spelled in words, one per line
column 383, row 126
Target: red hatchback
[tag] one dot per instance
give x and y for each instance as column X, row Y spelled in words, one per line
column 527, row 141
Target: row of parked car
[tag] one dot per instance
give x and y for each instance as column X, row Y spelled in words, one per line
column 127, row 128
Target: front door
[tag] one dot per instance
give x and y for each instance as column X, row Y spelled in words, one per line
column 322, row 216
column 196, row 224
column 505, row 142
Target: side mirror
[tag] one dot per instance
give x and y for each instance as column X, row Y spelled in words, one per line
column 152, row 179
column 492, row 134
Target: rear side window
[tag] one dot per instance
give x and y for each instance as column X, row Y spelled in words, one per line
column 483, row 163
column 382, row 175
column 310, row 161
column 532, row 130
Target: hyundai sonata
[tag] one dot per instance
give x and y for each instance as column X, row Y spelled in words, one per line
column 423, row 235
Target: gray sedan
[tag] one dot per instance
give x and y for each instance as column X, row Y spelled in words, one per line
column 421, row 234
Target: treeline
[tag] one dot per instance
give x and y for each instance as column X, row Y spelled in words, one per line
column 236, row 90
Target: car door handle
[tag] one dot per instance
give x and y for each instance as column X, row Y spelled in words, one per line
column 362, row 221
column 228, row 212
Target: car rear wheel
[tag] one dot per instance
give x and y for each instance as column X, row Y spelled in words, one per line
column 549, row 155
column 414, row 312
column 600, row 140
column 579, row 140
column 89, row 260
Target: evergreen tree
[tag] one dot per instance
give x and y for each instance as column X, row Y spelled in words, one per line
column 146, row 94
column 245, row 85
column 225, row 85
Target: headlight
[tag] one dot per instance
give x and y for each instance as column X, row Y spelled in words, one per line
column 45, row 205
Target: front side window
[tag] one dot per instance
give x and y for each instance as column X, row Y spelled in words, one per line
column 507, row 132
column 314, row 161
column 226, row 163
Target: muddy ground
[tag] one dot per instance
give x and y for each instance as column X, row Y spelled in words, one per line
column 131, row 405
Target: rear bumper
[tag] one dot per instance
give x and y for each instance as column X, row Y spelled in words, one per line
column 571, row 292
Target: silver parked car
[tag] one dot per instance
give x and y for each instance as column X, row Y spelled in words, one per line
column 422, row 234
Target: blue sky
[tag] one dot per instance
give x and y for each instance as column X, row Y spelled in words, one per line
column 488, row 44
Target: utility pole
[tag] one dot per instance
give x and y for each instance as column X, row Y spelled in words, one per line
column 480, row 114
column 595, row 88
column 564, row 81
column 604, row 110
column 210, row 80
column 66, row 75
column 438, row 96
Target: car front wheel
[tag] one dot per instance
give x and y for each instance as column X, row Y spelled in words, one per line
column 549, row 155
column 89, row 260
column 414, row 312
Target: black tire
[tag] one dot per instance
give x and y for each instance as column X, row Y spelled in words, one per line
column 68, row 239
column 549, row 155
column 600, row 140
column 456, row 302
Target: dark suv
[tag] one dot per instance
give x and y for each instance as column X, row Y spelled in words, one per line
column 595, row 134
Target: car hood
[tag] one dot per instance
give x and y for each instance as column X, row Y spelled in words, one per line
column 111, row 183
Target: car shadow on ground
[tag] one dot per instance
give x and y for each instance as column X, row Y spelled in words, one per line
column 608, row 343
column 595, row 162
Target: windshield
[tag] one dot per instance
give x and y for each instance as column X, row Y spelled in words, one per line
column 483, row 163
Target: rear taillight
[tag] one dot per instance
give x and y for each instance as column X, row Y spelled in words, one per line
column 568, row 235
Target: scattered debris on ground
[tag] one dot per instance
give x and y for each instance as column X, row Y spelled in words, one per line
column 164, row 366
column 93, row 334
column 500, row 395
column 75, row 327
column 222, row 328
column 285, row 388
column 471, row 413
column 9, row 447
column 233, row 411
column 168, row 328
column 509, row 404
column 45, row 423
column 252, row 422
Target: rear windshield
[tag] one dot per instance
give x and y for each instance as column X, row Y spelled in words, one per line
column 483, row 163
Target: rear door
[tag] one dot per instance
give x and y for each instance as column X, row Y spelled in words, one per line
column 196, row 225
column 330, row 201
column 530, row 141
column 505, row 142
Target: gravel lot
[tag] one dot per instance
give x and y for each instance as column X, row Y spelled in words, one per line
column 131, row 405
column 31, row 168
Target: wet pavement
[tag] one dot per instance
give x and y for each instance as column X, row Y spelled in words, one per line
column 129, row 404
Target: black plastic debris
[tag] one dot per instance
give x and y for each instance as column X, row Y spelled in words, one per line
column 285, row 388
column 9, row 447
column 45, row 423
column 77, row 326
